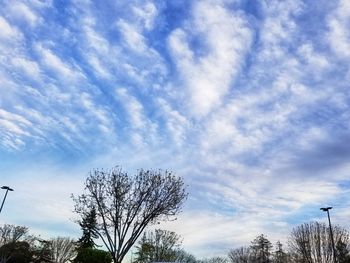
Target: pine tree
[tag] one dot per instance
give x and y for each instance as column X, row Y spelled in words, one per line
column 88, row 226
column 261, row 248
column 280, row 256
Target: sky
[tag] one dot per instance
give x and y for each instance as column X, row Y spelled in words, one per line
column 247, row 100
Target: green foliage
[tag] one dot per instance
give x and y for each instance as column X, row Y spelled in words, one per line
column 261, row 248
column 16, row 252
column 158, row 246
column 88, row 226
column 92, row 255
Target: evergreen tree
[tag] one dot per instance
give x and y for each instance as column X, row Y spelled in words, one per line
column 280, row 256
column 261, row 248
column 88, row 226
column 343, row 254
column 92, row 255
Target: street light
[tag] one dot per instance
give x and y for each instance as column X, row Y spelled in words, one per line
column 326, row 209
column 3, row 201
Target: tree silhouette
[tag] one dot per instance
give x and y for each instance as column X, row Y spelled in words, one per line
column 88, row 225
column 280, row 256
column 261, row 249
column 311, row 242
column 158, row 246
column 62, row 249
column 240, row 255
column 126, row 204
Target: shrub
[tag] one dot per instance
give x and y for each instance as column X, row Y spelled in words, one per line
column 92, row 255
column 16, row 252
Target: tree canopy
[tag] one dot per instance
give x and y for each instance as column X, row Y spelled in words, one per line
column 126, row 204
column 158, row 246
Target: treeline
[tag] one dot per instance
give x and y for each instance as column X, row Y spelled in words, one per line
column 17, row 245
column 307, row 243
column 117, row 207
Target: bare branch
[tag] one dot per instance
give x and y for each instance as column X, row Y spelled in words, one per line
column 126, row 204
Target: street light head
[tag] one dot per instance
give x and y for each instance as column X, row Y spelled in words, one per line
column 6, row 188
column 325, row 209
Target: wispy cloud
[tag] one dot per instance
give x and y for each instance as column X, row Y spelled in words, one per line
column 339, row 34
column 208, row 70
column 248, row 102
column 8, row 31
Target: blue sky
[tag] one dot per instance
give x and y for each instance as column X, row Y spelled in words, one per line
column 247, row 100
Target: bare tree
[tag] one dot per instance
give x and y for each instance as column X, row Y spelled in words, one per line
column 126, row 204
column 185, row 257
column 214, row 260
column 311, row 242
column 63, row 249
column 240, row 255
column 12, row 233
column 158, row 246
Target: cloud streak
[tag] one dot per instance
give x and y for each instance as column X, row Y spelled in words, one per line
column 248, row 102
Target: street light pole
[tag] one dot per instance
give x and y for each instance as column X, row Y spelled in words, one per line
column 3, row 201
column 326, row 209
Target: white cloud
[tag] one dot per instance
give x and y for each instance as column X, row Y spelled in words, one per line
column 13, row 117
column 98, row 66
column 95, row 48
column 14, row 123
column 246, row 141
column 13, row 129
column 176, row 123
column 277, row 28
column 133, row 38
column 147, row 13
column 179, row 46
column 7, row 31
column 225, row 37
column 316, row 61
column 40, row 3
column 20, row 11
column 208, row 234
column 97, row 111
column 29, row 67
column 133, row 107
column 95, row 41
column 143, row 132
column 61, row 68
column 339, row 33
